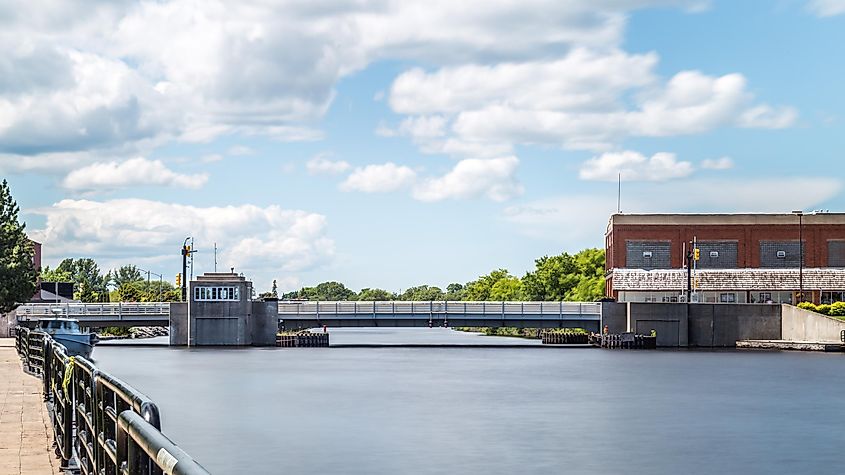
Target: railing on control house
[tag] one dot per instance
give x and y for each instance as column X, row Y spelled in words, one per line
column 101, row 424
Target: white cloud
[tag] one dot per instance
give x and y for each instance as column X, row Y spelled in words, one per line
column 634, row 166
column 586, row 100
column 379, row 178
column 473, row 178
column 240, row 150
column 100, row 103
column 152, row 71
column 133, row 172
column 825, row 8
column 721, row 163
column 321, row 164
column 267, row 241
column 493, row 179
column 211, row 158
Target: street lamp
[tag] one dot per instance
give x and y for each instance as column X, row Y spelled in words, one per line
column 800, row 255
column 160, row 280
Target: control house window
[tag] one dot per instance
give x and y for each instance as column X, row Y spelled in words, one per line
column 216, row 294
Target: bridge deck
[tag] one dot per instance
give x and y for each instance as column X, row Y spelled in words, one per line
column 307, row 313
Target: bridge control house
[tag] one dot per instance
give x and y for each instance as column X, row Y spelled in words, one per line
column 743, row 258
column 220, row 312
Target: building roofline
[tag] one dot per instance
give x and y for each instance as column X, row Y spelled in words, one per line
column 672, row 219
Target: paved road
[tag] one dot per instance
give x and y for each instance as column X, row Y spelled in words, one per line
column 25, row 432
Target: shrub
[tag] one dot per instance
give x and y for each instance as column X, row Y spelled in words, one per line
column 808, row 306
column 837, row 309
column 823, row 309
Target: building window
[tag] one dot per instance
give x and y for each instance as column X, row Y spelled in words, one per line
column 832, row 297
column 217, row 294
column 727, row 298
column 765, row 297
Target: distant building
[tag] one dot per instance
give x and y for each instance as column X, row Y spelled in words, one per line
column 36, row 259
column 743, row 258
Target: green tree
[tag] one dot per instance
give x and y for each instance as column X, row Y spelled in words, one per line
column 454, row 292
column 507, row 289
column 375, row 294
column 480, row 288
column 422, row 292
column 324, row 291
column 17, row 273
column 88, row 284
column 143, row 291
column 124, row 274
column 551, row 278
column 55, row 275
column 275, row 291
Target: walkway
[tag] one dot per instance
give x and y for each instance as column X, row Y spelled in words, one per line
column 25, row 432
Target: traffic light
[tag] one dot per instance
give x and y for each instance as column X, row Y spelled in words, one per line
column 179, row 280
column 696, row 254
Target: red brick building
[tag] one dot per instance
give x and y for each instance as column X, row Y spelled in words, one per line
column 742, row 257
column 36, row 260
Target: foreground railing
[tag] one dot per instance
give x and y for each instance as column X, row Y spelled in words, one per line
column 103, row 424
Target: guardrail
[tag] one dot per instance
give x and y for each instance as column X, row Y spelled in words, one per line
column 99, row 421
column 439, row 307
column 93, row 309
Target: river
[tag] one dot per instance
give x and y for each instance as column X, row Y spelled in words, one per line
column 492, row 410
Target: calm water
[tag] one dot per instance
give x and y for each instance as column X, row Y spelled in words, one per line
column 493, row 411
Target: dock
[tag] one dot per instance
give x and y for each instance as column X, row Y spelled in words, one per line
column 25, row 431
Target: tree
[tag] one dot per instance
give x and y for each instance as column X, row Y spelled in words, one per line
column 375, row 294
column 454, row 292
column 324, row 291
column 275, row 292
column 552, row 278
column 123, row 275
column 480, row 288
column 17, row 274
column 88, row 284
column 55, row 275
column 507, row 289
column 422, row 292
column 143, row 291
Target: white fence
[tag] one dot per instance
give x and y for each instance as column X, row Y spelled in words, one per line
column 462, row 308
column 93, row 309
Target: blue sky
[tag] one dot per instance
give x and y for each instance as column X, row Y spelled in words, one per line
column 389, row 144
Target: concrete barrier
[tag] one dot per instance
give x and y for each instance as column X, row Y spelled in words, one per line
column 804, row 325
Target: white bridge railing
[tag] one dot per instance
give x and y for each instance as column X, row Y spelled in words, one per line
column 307, row 308
column 92, row 309
column 466, row 308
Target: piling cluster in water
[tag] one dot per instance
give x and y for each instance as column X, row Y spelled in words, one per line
column 304, row 339
column 623, row 341
column 557, row 337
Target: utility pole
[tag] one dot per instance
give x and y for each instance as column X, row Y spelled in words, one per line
column 215, row 257
column 186, row 251
column 800, row 214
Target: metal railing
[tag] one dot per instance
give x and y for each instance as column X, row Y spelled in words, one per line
column 99, row 421
column 93, row 309
column 439, row 307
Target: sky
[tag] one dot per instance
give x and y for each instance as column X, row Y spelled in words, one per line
column 391, row 143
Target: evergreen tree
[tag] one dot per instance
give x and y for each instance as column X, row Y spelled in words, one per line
column 17, row 273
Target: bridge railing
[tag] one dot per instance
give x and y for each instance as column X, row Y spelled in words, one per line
column 38, row 310
column 439, row 307
column 105, row 424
